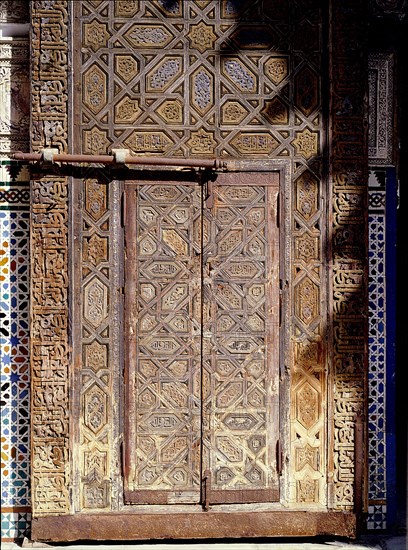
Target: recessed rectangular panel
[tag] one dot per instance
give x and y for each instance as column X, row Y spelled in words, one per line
column 163, row 339
column 240, row 339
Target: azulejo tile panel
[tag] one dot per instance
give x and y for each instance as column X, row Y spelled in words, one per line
column 14, row 525
column 14, row 279
column 14, row 354
column 377, row 341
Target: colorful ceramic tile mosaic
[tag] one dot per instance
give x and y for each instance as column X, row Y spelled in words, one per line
column 377, row 492
column 14, row 286
column 14, row 524
column 14, row 354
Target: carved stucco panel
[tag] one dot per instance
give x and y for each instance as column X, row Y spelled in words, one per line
column 50, row 341
column 348, row 178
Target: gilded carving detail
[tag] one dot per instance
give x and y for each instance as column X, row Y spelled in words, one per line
column 171, row 111
column 95, row 89
column 96, row 249
column 95, row 409
column 95, row 199
column 95, row 495
column 202, row 142
column 307, row 195
column 127, row 111
column 126, row 67
column 306, row 143
column 95, row 141
column 96, row 35
column 126, row 8
column 277, row 69
column 307, row 405
column 95, row 356
column 307, row 248
column 202, row 37
column 95, row 302
column 254, row 143
column 233, row 112
column 149, row 142
column 307, row 301
column 307, row 490
column 149, row 36
column 307, row 456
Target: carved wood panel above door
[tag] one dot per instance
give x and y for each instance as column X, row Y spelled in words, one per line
column 202, row 360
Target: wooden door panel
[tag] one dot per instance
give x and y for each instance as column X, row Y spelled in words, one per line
column 240, row 339
column 163, row 313
column 202, row 315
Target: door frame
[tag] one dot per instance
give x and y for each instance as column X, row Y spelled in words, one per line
column 124, row 522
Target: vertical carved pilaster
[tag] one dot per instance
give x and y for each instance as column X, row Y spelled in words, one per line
column 50, row 348
column 348, row 179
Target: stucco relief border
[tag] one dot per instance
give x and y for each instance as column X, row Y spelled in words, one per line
column 348, row 180
column 49, row 343
column 381, row 108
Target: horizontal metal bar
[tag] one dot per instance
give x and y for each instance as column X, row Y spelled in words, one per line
column 216, row 163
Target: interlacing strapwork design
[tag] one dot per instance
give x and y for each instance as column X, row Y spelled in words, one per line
column 96, row 379
column 240, row 327
column 189, row 78
column 221, row 78
column 164, row 390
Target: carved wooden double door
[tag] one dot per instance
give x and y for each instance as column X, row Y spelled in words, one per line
column 202, row 340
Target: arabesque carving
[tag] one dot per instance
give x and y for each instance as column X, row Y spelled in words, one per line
column 349, row 175
column 156, row 113
column 50, row 343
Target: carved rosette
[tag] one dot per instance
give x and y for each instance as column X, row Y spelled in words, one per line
column 50, row 346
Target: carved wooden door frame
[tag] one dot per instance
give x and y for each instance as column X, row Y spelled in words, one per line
column 123, row 521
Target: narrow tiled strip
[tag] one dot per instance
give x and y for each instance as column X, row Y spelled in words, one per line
column 14, row 352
